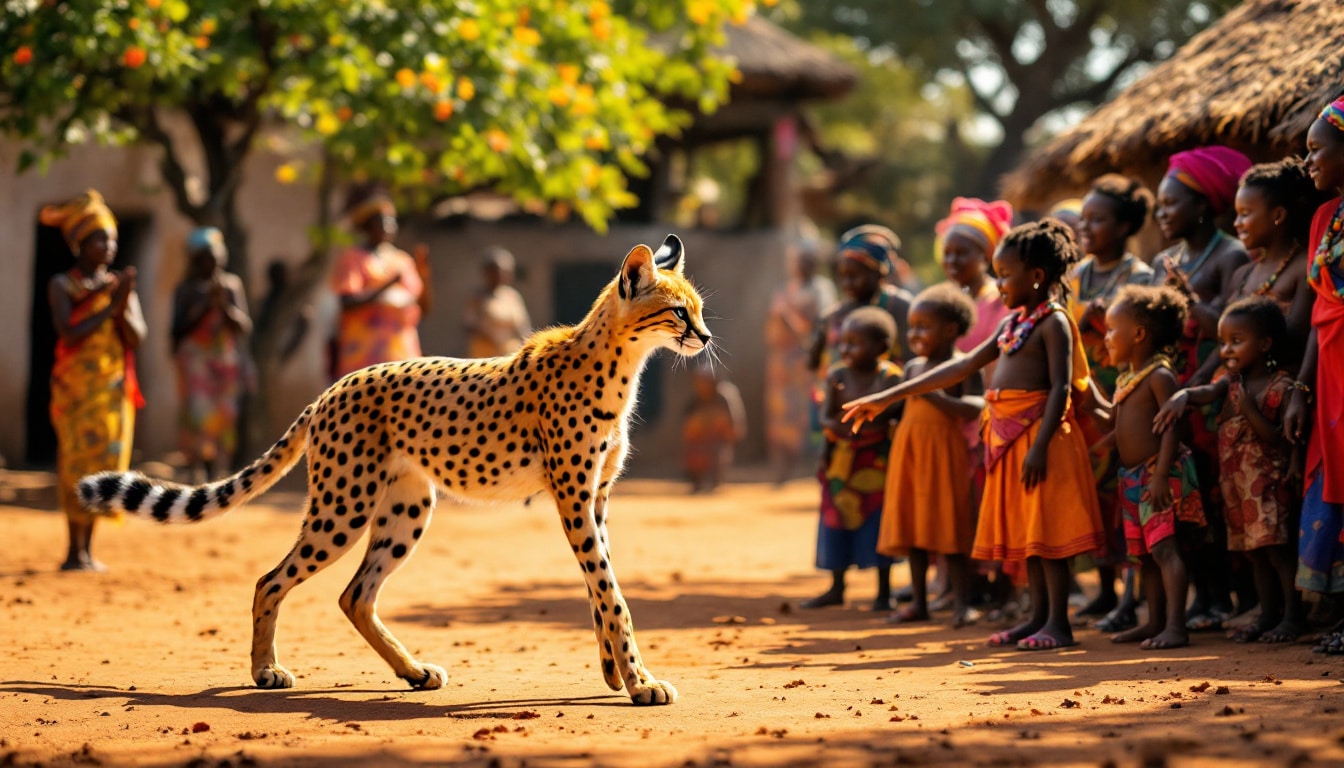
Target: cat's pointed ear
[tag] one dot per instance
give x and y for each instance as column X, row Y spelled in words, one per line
column 671, row 255
column 638, row 271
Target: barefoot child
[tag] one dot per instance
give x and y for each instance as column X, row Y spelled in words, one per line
column 1254, row 460
column 1159, row 497
column 1040, row 500
column 854, row 463
column 927, row 505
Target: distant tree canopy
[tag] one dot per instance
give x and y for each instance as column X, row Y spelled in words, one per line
column 1022, row 60
column 550, row 101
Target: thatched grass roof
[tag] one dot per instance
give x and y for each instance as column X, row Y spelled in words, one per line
column 1254, row 81
column 776, row 64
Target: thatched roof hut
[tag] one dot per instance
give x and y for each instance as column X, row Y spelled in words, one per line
column 1254, row 81
column 775, row 63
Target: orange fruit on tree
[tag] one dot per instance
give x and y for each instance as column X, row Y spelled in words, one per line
column 345, row 113
column 23, row 55
column 497, row 140
column 443, row 110
column 405, row 78
column 133, row 57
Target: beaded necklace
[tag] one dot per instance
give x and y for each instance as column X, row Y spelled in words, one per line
column 1174, row 264
column 1123, row 269
column 1019, row 326
column 1130, row 380
column 1330, row 251
column 1268, row 285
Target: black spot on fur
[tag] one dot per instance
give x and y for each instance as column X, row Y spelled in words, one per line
column 108, row 487
column 135, row 494
column 196, row 504
column 165, row 503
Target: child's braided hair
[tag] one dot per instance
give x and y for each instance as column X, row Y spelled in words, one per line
column 876, row 322
column 950, row 303
column 1160, row 309
column 1265, row 315
column 1288, row 184
column 1047, row 245
column 1132, row 200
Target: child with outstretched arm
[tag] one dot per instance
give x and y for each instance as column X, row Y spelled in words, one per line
column 1040, row 500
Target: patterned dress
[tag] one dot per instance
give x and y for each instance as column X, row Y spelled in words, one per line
column 385, row 329
column 1257, row 499
column 853, row 477
column 94, row 394
column 211, row 379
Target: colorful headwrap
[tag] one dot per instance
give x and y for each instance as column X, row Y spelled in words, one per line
column 1213, row 172
column 205, row 239
column 1072, row 205
column 376, row 203
column 871, row 245
column 80, row 218
column 1334, row 113
column 986, row 222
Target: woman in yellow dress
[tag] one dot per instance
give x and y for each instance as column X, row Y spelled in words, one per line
column 94, row 392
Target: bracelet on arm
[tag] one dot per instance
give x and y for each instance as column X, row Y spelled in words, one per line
column 1302, row 387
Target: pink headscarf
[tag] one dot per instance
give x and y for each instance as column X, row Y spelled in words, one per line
column 1213, row 172
column 986, row 222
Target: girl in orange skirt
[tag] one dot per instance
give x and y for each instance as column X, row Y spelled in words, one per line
column 1040, row 501
column 927, row 504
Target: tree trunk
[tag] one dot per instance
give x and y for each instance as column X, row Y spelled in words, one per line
column 1003, row 157
column 260, row 422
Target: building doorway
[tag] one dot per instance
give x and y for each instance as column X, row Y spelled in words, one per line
column 51, row 256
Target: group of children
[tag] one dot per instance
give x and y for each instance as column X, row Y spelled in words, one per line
column 1108, row 413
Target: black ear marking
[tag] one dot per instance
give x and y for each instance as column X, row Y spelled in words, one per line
column 670, row 254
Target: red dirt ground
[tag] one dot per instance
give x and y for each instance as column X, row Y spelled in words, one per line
column 147, row 664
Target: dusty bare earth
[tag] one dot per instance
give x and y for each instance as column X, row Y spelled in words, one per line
column 147, row 664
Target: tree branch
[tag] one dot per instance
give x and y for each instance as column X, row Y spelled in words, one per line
column 982, row 102
column 1099, row 89
column 1000, row 38
column 169, row 166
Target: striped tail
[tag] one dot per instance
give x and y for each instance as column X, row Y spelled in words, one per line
column 114, row 493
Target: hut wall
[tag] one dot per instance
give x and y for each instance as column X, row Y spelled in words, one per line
column 738, row 271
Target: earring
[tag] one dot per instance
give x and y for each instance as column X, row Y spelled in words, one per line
column 1036, row 286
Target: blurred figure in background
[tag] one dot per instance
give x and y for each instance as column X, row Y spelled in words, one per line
column 209, row 335
column 795, row 310
column 94, row 391
column 383, row 290
column 715, row 422
column 496, row 320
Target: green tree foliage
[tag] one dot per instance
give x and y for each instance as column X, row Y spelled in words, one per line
column 909, row 131
column 1022, row 60
column 550, row 101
